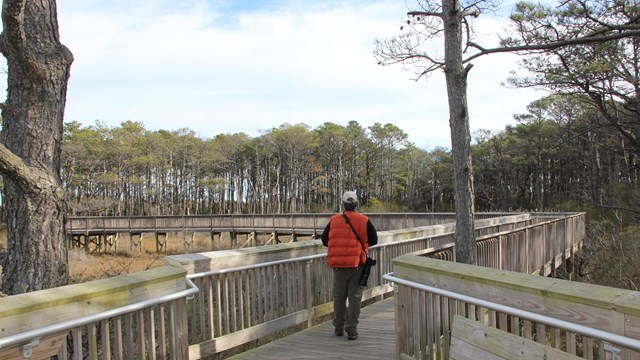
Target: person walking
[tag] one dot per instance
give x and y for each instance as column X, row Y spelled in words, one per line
column 348, row 237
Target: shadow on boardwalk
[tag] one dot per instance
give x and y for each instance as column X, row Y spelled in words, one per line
column 376, row 340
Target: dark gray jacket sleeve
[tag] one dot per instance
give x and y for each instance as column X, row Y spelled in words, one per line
column 325, row 235
column 372, row 234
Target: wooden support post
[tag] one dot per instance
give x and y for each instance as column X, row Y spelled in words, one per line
column 234, row 239
column 86, row 243
column 99, row 241
column 214, row 246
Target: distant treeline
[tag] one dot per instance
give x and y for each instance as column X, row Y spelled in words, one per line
column 558, row 154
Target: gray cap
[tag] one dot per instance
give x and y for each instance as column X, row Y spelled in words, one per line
column 350, row 197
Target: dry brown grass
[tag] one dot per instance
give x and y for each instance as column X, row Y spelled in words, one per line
column 129, row 258
column 84, row 267
column 125, row 256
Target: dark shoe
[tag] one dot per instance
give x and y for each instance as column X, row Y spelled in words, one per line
column 339, row 332
column 352, row 335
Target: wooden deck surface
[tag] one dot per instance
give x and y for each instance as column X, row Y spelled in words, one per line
column 376, row 340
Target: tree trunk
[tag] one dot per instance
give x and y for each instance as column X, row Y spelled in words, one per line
column 456, row 78
column 38, row 71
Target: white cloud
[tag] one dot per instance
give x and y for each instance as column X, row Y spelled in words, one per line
column 216, row 69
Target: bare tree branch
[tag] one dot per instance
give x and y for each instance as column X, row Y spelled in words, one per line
column 586, row 40
column 31, row 179
column 424, row 13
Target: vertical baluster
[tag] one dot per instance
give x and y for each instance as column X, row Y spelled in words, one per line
column 290, row 287
column 571, row 343
column 261, row 294
column 77, row 343
column 527, row 330
column 541, row 334
column 494, row 319
column 308, row 266
column 274, row 291
column 252, row 294
column 129, row 348
column 241, row 298
column 117, row 335
column 151, row 348
column 425, row 316
column 201, row 317
column 140, row 334
column 515, row 325
column 162, row 333
column 556, row 338
column 446, row 326
column 172, row 330
column 92, row 340
column 106, row 339
column 588, row 347
column 415, row 322
column 271, row 293
column 208, row 290
column 218, row 284
column 438, row 325
column 226, row 328
column 232, row 300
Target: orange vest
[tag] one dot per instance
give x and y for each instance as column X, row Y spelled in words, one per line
column 344, row 249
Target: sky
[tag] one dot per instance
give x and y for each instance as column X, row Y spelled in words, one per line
column 225, row 66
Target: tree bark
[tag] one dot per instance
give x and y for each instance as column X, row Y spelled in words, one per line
column 456, row 79
column 38, row 71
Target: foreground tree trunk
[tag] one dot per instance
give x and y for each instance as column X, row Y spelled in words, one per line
column 456, row 78
column 38, row 71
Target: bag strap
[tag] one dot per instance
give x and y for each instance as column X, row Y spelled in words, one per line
column 346, row 218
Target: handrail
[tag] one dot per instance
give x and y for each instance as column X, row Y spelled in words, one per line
column 26, row 336
column 303, row 258
column 561, row 324
column 315, row 256
column 254, row 266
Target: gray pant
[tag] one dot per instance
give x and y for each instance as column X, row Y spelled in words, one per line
column 345, row 286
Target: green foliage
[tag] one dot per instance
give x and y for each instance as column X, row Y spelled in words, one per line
column 611, row 255
column 377, row 206
column 290, row 168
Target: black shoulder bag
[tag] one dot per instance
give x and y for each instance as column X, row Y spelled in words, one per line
column 369, row 263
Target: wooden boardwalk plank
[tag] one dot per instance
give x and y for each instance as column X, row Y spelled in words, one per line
column 376, row 340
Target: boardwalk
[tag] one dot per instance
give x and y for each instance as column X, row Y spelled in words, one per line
column 376, row 340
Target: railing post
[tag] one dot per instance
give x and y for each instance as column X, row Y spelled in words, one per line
column 500, row 241
column 308, row 293
column 527, row 241
column 180, row 334
column 396, row 311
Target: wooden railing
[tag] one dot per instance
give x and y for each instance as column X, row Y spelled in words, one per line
column 244, row 294
column 263, row 285
column 136, row 316
column 590, row 321
column 284, row 223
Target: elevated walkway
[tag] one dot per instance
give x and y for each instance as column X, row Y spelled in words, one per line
column 207, row 304
column 376, row 340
